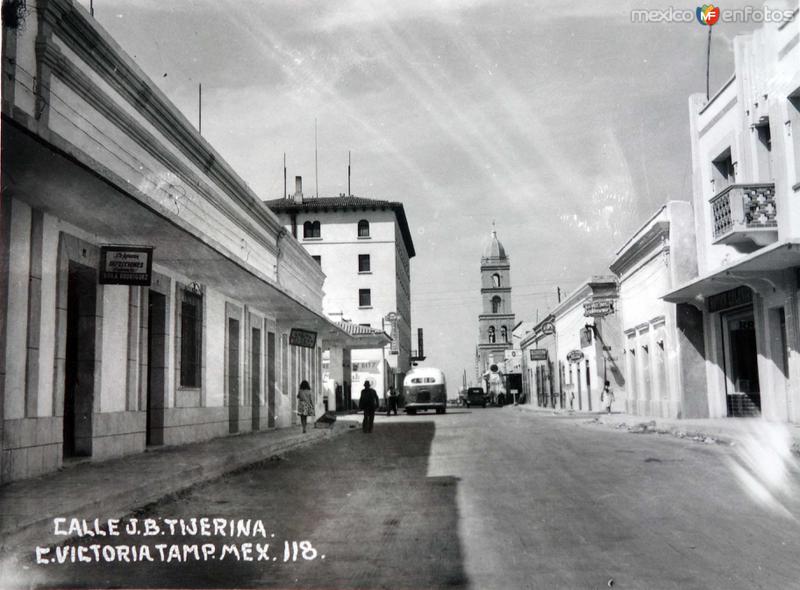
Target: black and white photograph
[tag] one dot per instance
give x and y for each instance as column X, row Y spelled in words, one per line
column 418, row 294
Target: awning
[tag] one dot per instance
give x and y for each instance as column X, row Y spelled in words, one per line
column 55, row 183
column 753, row 270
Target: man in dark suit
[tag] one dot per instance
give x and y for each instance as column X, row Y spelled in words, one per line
column 368, row 402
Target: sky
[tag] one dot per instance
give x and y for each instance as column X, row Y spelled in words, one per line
column 564, row 123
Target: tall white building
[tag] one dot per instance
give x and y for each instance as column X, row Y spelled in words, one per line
column 364, row 248
column 746, row 201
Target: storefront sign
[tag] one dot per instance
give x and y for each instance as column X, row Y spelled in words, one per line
column 548, row 328
column 538, row 354
column 574, row 356
column 304, row 338
column 728, row 299
column 126, row 265
column 598, row 308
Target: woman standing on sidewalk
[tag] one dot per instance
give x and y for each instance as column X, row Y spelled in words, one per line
column 305, row 403
column 607, row 397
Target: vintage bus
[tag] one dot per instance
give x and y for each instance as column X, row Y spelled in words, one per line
column 424, row 388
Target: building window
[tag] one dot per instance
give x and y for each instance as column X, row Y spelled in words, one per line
column 764, row 152
column 363, row 228
column 504, row 333
column 311, row 229
column 317, row 259
column 722, row 171
column 367, row 325
column 492, row 337
column 496, row 280
column 191, row 339
column 363, row 263
column 496, row 303
column 364, row 298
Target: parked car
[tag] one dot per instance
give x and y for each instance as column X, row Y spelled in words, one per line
column 476, row 397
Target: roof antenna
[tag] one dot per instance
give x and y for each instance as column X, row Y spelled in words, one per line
column 200, row 109
column 316, row 169
column 348, row 174
column 285, row 194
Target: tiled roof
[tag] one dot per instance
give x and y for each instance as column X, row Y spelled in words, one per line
column 357, row 330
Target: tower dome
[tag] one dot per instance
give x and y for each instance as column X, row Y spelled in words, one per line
column 494, row 249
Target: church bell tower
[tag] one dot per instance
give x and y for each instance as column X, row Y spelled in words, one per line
column 496, row 320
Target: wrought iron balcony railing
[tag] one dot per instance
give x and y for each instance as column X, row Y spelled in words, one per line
column 745, row 212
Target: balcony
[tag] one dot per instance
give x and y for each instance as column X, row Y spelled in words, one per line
column 745, row 213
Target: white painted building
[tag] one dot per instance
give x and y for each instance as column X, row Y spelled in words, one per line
column 94, row 154
column 746, row 200
column 588, row 350
column 662, row 345
column 364, row 247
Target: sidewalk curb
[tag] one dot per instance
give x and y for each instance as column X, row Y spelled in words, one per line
column 648, row 425
column 157, row 486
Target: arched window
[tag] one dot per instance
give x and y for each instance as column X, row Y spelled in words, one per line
column 491, row 334
column 311, row 229
column 504, row 333
column 496, row 303
column 363, row 228
column 496, row 280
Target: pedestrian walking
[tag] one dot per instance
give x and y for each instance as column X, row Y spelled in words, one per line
column 607, row 397
column 391, row 401
column 368, row 402
column 305, row 403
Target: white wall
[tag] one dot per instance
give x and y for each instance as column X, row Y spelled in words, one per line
column 114, row 366
column 214, row 333
column 17, row 316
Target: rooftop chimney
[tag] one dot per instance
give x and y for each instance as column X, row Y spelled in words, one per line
column 298, row 189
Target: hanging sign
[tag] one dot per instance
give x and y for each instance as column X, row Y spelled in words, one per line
column 126, row 265
column 574, row 356
column 538, row 354
column 597, row 308
column 304, row 338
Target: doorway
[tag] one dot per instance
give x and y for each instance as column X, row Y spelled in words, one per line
column 743, row 394
column 270, row 379
column 156, row 367
column 79, row 360
column 233, row 376
column 255, row 377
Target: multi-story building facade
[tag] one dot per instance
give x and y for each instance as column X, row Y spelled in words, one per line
column 364, row 248
column 746, row 198
column 183, row 330
column 496, row 320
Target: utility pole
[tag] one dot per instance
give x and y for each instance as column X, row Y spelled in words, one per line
column 708, row 62
column 558, row 289
column 348, row 174
column 285, row 194
column 316, row 169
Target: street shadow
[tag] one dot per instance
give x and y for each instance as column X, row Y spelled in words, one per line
column 363, row 501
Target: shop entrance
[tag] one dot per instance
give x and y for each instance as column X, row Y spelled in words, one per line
column 80, row 360
column 255, row 377
column 270, row 379
column 156, row 367
column 233, row 376
column 743, row 393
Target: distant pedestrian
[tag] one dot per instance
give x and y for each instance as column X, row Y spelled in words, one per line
column 305, row 403
column 571, row 400
column 391, row 401
column 607, row 397
column 368, row 402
